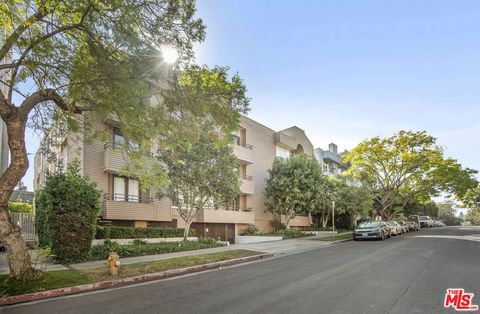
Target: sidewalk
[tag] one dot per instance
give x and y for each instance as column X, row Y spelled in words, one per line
column 290, row 246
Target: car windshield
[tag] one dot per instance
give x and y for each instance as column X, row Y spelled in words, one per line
column 424, row 217
column 369, row 224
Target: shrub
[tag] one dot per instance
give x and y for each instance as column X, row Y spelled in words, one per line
column 100, row 252
column 139, row 242
column 41, row 220
column 277, row 225
column 18, row 207
column 250, row 230
column 69, row 209
column 113, row 232
column 294, row 233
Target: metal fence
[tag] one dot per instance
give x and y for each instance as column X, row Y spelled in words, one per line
column 26, row 223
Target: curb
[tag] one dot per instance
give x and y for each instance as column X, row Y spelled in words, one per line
column 126, row 281
column 340, row 241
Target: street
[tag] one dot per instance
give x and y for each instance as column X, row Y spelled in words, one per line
column 406, row 274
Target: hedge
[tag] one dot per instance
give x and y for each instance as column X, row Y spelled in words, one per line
column 67, row 210
column 100, row 252
column 113, row 232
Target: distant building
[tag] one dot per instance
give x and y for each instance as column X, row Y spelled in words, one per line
column 21, row 195
column 330, row 160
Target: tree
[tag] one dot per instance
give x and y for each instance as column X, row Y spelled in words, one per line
column 204, row 173
column 326, row 192
column 446, row 213
column 357, row 201
column 408, row 166
column 292, row 185
column 68, row 57
column 471, row 201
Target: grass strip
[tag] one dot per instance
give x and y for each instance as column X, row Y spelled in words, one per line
column 335, row 238
column 67, row 278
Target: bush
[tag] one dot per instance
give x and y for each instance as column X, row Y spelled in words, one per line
column 18, row 207
column 250, row 230
column 277, row 225
column 113, row 232
column 69, row 207
column 294, row 233
column 41, row 220
column 100, row 252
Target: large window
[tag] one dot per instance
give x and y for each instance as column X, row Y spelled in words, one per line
column 126, row 189
column 283, row 152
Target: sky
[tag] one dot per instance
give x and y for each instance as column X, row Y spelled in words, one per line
column 345, row 71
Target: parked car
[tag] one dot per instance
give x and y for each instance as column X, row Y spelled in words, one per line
column 438, row 223
column 404, row 226
column 425, row 221
column 395, row 228
column 371, row 230
column 413, row 226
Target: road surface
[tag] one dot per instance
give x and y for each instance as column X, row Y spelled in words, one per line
column 406, row 274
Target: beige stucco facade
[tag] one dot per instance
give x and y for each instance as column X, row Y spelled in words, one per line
column 255, row 148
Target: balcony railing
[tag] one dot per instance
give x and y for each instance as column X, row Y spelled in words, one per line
column 127, row 198
column 244, row 153
column 246, row 184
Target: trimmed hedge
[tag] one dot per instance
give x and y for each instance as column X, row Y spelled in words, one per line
column 67, row 210
column 113, row 232
column 100, row 252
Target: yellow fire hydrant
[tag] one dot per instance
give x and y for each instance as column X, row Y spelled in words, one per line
column 113, row 263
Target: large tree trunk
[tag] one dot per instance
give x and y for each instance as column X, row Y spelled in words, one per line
column 16, row 249
column 10, row 235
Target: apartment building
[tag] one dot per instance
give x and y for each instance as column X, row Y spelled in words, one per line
column 124, row 203
column 330, row 160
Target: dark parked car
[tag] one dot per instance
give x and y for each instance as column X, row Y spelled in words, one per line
column 371, row 230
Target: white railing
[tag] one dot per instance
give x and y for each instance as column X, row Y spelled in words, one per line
column 26, row 222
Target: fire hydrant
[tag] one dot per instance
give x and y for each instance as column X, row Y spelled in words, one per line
column 113, row 263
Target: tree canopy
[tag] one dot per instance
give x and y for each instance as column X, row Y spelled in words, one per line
column 406, row 167
column 61, row 58
column 292, row 186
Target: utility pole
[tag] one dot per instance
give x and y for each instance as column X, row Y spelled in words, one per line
column 333, row 219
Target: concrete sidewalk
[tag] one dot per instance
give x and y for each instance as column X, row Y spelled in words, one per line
column 290, row 246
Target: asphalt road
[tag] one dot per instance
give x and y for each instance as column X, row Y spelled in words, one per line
column 406, row 274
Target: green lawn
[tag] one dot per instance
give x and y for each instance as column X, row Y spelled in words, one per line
column 66, row 278
column 335, row 238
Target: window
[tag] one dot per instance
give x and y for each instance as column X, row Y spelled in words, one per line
column 126, row 189
column 236, row 137
column 133, row 191
column 325, row 167
column 118, row 139
column 118, row 188
column 283, row 152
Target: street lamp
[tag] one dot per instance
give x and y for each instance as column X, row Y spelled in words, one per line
column 333, row 220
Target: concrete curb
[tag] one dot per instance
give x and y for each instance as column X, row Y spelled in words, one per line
column 127, row 281
column 340, row 241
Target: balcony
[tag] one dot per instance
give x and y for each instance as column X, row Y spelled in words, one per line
column 247, row 185
column 285, row 140
column 225, row 216
column 133, row 207
column 243, row 153
column 113, row 160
